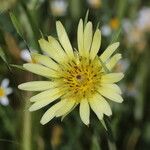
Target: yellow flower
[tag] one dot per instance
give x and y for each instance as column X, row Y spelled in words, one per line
column 74, row 77
column 114, row 23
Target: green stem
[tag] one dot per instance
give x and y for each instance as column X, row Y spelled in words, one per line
column 33, row 27
column 26, row 139
column 111, row 145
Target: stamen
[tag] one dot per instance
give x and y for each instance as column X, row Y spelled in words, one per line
column 82, row 77
column 2, row 92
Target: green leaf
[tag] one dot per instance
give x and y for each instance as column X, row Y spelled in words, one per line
column 109, row 130
column 116, row 35
column 18, row 67
column 2, row 55
column 18, row 28
column 86, row 18
column 104, row 125
column 104, row 66
column 42, row 35
column 97, row 25
column 16, row 24
column 95, row 143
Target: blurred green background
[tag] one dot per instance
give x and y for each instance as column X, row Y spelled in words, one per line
column 126, row 21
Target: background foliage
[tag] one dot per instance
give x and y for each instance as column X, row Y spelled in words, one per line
column 127, row 21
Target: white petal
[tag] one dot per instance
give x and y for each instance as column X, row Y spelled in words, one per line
column 113, row 87
column 65, row 109
column 45, row 60
column 109, row 51
column 5, row 83
column 37, row 85
column 64, row 40
column 113, row 61
column 51, row 51
column 87, row 40
column 50, row 113
column 25, row 55
column 112, row 77
column 95, row 107
column 80, row 37
column 95, row 44
column 85, row 111
column 8, row 91
column 4, row 101
column 41, row 70
column 110, row 95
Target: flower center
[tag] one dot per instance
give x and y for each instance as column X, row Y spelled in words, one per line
column 2, row 92
column 81, row 78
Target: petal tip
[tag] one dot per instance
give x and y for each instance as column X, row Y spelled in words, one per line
column 31, row 109
column 122, row 75
column 58, row 23
column 42, row 122
column 20, row 86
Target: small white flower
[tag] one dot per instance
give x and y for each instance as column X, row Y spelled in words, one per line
column 25, row 55
column 143, row 21
column 4, row 92
column 106, row 30
column 94, row 3
column 58, row 7
column 122, row 65
column 127, row 25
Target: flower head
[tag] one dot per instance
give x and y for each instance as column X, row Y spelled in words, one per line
column 4, row 91
column 74, row 76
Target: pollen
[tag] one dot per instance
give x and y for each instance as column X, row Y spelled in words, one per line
column 2, row 92
column 82, row 77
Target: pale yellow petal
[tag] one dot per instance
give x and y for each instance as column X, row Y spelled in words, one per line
column 48, row 95
column 45, row 100
column 109, row 51
column 57, row 47
column 44, row 60
column 111, row 77
column 50, row 113
column 95, row 107
column 108, row 93
column 80, row 37
column 64, row 40
column 37, row 85
column 85, row 111
column 40, row 104
column 51, row 51
column 95, row 44
column 87, row 39
column 113, row 87
column 65, row 109
column 102, row 104
column 41, row 70
column 113, row 61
